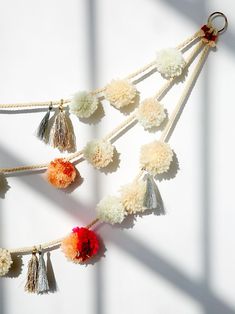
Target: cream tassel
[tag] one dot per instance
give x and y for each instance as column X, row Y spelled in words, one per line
column 42, row 283
column 32, row 276
column 62, row 135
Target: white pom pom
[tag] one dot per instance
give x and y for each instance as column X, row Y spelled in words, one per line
column 99, row 153
column 83, row 104
column 156, row 157
column 120, row 93
column 5, row 261
column 150, row 113
column 111, row 210
column 170, row 62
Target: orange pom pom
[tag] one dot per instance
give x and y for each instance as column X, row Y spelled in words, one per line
column 61, row 173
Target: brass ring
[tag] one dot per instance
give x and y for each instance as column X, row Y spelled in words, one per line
column 217, row 14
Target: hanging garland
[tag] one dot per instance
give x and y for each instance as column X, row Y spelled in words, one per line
column 155, row 158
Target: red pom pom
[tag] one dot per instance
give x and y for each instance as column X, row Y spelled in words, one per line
column 88, row 244
column 61, row 173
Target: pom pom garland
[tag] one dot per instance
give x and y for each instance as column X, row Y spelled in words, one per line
column 61, row 173
column 120, row 93
column 80, row 245
column 99, row 153
column 132, row 197
column 156, row 157
column 83, row 104
column 110, row 210
column 5, row 262
column 150, row 113
column 170, row 62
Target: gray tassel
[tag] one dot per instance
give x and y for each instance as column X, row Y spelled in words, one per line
column 43, row 126
column 42, row 283
column 32, row 276
column 150, row 197
column 62, row 135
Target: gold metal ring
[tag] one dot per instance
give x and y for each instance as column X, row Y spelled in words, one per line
column 215, row 15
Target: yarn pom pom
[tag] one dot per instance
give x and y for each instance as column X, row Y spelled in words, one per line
column 170, row 62
column 150, row 113
column 83, row 104
column 111, row 210
column 5, row 262
column 61, row 173
column 99, row 153
column 80, row 245
column 156, row 157
column 132, row 197
column 120, row 93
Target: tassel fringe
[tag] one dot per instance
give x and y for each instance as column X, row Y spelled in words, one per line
column 32, row 276
column 150, row 198
column 62, row 135
column 42, row 283
column 43, row 126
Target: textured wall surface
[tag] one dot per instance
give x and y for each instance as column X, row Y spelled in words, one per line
column 182, row 262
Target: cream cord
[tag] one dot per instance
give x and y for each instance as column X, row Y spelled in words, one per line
column 55, row 243
column 114, row 133
column 56, row 103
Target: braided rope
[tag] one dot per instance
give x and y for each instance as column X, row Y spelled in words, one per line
column 56, row 103
column 114, row 133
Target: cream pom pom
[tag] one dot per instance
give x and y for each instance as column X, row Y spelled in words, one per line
column 111, row 210
column 99, row 153
column 132, row 197
column 156, row 157
column 150, row 113
column 120, row 93
column 5, row 261
column 83, row 104
column 170, row 62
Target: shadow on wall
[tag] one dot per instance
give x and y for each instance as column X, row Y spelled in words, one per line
column 195, row 11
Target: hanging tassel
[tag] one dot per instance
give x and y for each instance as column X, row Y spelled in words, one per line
column 4, row 187
column 150, row 197
column 32, row 276
column 43, row 126
column 42, row 283
column 62, row 136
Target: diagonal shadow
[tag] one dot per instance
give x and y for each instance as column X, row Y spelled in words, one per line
column 160, row 266
column 197, row 11
column 76, row 209
column 156, row 263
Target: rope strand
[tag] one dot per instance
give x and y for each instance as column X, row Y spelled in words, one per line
column 56, row 103
column 114, row 133
column 47, row 245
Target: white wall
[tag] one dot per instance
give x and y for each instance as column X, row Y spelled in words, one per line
column 182, row 262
